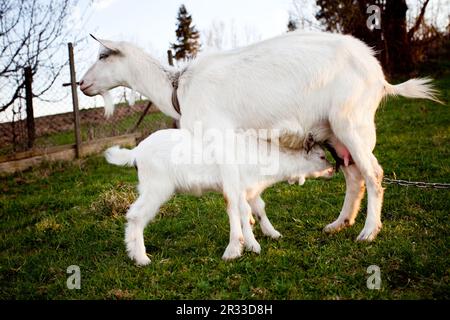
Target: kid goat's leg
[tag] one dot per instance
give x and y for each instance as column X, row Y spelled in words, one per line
column 258, row 207
column 139, row 215
column 230, row 179
column 249, row 238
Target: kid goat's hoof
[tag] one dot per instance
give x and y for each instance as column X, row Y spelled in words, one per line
column 254, row 246
column 275, row 235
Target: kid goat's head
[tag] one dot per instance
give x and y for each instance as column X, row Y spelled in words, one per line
column 315, row 164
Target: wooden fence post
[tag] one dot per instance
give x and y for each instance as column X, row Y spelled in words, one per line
column 147, row 108
column 29, row 104
column 76, row 111
column 170, row 57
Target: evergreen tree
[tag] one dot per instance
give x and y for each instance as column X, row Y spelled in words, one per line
column 188, row 43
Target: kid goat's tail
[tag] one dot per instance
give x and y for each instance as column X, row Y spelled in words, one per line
column 121, row 157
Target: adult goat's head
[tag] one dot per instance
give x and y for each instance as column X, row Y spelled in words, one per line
column 108, row 72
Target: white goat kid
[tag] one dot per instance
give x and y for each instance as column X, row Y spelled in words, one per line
column 162, row 173
column 296, row 81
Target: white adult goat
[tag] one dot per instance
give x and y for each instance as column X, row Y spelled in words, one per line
column 163, row 165
column 296, row 82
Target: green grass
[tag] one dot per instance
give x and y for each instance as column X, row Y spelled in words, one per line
column 63, row 214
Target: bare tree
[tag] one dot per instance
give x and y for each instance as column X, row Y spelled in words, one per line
column 32, row 33
column 302, row 16
column 221, row 35
column 399, row 48
column 214, row 36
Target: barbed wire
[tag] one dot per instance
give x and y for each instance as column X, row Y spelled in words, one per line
column 417, row 184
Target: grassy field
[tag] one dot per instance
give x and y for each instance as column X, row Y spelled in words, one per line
column 63, row 214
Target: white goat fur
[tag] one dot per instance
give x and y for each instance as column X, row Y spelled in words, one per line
column 160, row 177
column 298, row 82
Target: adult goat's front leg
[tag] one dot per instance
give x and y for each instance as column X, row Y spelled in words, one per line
column 354, row 193
column 234, row 248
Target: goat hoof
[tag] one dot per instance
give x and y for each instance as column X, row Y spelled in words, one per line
column 232, row 252
column 270, row 231
column 369, row 233
column 143, row 261
column 254, row 246
column 275, row 235
column 337, row 226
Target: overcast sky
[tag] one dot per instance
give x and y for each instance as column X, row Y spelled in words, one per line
column 152, row 23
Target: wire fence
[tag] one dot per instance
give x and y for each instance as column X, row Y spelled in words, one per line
column 13, row 125
column 53, row 118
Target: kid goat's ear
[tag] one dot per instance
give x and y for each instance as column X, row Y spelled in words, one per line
column 309, row 142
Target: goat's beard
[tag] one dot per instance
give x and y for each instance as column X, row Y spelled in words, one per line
column 109, row 104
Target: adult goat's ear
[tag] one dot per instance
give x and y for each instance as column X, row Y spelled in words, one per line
column 309, row 142
column 107, row 45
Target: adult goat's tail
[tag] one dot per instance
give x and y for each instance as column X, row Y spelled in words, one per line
column 120, row 157
column 414, row 88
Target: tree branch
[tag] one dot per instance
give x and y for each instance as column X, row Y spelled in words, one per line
column 419, row 20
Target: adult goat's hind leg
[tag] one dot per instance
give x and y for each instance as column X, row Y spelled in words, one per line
column 375, row 190
column 354, row 193
column 360, row 141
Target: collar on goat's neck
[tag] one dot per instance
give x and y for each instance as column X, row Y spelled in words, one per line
column 175, row 102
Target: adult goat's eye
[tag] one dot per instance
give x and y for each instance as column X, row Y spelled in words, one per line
column 322, row 157
column 103, row 56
